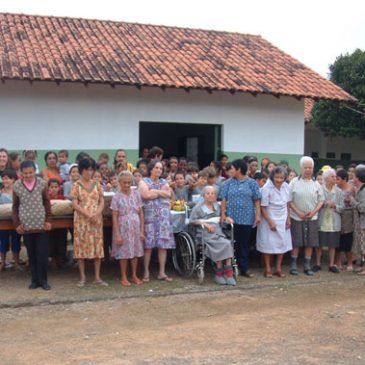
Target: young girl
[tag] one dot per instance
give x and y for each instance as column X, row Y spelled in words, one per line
column 51, row 171
column 74, row 176
column 181, row 190
column 137, row 177
column 32, row 219
column 273, row 234
column 57, row 237
column 6, row 197
column 88, row 202
column 15, row 160
column 31, row 155
column 128, row 228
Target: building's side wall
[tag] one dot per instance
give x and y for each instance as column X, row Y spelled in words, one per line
column 315, row 141
column 45, row 116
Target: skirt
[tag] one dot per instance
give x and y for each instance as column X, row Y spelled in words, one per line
column 329, row 239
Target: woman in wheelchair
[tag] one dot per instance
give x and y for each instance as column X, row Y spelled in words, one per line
column 215, row 245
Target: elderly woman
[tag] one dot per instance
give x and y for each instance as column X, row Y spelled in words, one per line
column 306, row 197
column 273, row 234
column 347, row 219
column 329, row 220
column 358, row 203
column 241, row 205
column 217, row 247
column 156, row 195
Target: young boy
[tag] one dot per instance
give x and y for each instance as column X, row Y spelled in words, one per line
column 57, row 237
column 196, row 188
column 64, row 165
column 112, row 185
column 181, row 190
column 260, row 178
column 32, row 219
column 9, row 177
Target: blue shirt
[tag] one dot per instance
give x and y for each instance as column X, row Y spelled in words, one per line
column 240, row 196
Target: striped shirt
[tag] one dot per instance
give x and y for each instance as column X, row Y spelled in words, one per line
column 305, row 195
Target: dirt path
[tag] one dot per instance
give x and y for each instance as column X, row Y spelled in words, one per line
column 321, row 323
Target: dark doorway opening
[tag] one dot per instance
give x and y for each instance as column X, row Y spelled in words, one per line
column 197, row 142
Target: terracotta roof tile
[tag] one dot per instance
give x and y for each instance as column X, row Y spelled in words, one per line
column 82, row 50
column 308, row 106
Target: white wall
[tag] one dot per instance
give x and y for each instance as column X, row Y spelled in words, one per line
column 44, row 116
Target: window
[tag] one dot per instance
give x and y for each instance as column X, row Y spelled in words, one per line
column 314, row 154
column 331, row 155
column 346, row 156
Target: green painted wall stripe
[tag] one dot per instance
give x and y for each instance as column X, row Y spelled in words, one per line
column 293, row 160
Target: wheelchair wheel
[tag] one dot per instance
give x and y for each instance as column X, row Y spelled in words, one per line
column 200, row 273
column 184, row 255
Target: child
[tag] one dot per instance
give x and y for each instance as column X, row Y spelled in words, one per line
column 197, row 188
column 98, row 178
column 142, row 167
column 260, row 178
column 6, row 197
column 31, row 155
column 173, row 162
column 112, row 185
column 137, row 177
column 64, row 165
column 15, row 161
column 104, row 170
column 181, row 190
column 103, row 159
column 183, row 164
column 73, row 175
column 32, row 219
column 192, row 172
column 128, row 228
column 57, row 237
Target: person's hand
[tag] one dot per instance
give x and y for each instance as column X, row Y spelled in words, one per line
column 258, row 220
column 47, row 226
column 166, row 187
column 94, row 218
column 210, row 228
column 142, row 236
column 20, row 229
column 272, row 226
column 118, row 240
column 288, row 223
column 310, row 215
column 303, row 216
column 172, row 185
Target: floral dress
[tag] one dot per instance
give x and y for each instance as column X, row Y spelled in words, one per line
column 128, row 207
column 88, row 237
column 157, row 219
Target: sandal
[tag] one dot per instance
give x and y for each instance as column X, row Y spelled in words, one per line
column 125, row 283
column 361, row 273
column 165, row 278
column 280, row 274
column 146, row 279
column 101, row 282
column 137, row 281
column 81, row 284
column 268, row 274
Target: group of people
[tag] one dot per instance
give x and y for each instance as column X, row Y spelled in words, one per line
column 269, row 204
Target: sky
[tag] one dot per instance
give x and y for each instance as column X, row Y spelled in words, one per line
column 313, row 31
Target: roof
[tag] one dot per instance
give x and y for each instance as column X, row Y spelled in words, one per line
column 308, row 106
column 60, row 49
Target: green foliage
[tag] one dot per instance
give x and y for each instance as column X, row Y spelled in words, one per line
column 341, row 118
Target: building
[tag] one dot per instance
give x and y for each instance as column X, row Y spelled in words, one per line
column 332, row 150
column 100, row 85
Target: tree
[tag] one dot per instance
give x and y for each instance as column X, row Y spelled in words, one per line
column 341, row 118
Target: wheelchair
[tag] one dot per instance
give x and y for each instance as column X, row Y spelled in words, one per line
column 189, row 254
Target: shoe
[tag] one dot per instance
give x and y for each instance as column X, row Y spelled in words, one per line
column 247, row 274
column 101, row 282
column 33, row 286
column 228, row 276
column 46, row 286
column 280, row 274
column 334, row 269
column 294, row 272
column 316, row 268
column 308, row 272
column 268, row 274
column 220, row 279
column 81, row 284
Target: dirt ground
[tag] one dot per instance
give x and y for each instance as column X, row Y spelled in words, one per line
column 301, row 321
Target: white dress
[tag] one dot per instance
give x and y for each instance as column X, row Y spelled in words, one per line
column 276, row 202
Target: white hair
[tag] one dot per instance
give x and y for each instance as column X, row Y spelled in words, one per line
column 208, row 187
column 360, row 167
column 326, row 174
column 123, row 174
column 305, row 159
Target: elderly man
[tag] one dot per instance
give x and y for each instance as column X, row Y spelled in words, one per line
column 306, row 196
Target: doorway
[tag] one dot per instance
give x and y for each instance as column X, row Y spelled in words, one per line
column 197, row 142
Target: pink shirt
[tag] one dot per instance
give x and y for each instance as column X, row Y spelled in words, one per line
column 29, row 185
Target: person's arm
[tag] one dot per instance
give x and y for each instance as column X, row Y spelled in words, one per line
column 146, row 193
column 141, row 218
column 265, row 214
column 318, row 207
column 16, row 221
column 258, row 211
column 75, row 202
column 299, row 212
column 288, row 221
column 45, row 175
column 118, row 237
column 47, row 207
